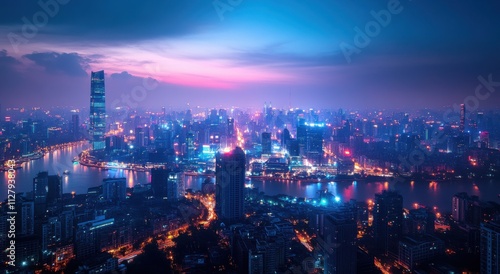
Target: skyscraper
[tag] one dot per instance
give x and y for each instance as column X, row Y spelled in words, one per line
column 165, row 183
column 266, row 143
column 314, row 141
column 47, row 188
column 97, row 110
column 302, row 135
column 337, row 243
column 190, row 148
column 140, row 140
column 230, row 182
column 114, row 189
column 285, row 138
column 462, row 117
column 230, row 128
column 490, row 247
column 388, row 221
column 75, row 126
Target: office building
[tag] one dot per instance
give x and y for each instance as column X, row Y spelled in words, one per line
column 97, row 110
column 388, row 221
column 266, row 143
column 285, row 138
column 419, row 250
column 75, row 126
column 255, row 262
column 490, row 247
column 462, row 118
column 190, row 146
column 230, row 181
column 114, row 189
column 26, row 215
column 47, row 188
column 466, row 209
column 419, row 221
column 90, row 236
column 337, row 243
column 314, row 142
column 166, row 183
column 231, row 132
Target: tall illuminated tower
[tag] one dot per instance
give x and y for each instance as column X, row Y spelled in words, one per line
column 462, row 117
column 230, row 182
column 97, row 110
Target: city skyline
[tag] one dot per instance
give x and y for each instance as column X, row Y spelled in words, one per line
column 244, row 53
column 238, row 136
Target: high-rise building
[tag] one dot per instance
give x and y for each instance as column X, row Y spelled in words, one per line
column 490, row 247
column 466, row 209
column 458, row 206
column 302, row 135
column 190, row 146
column 480, row 121
column 51, row 233
column 388, row 221
column 89, row 236
column 230, row 128
column 47, row 188
column 285, row 138
column 294, row 147
column 97, row 110
column 417, row 250
column 266, row 143
column 314, row 141
column 75, row 126
column 337, row 243
column 230, row 183
column 462, row 117
column 26, row 225
column 165, row 183
column 140, row 139
column 419, row 221
column 484, row 139
column 255, row 262
column 114, row 189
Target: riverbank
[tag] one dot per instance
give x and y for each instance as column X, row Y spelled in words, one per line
column 39, row 154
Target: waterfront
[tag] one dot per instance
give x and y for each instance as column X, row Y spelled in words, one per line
column 80, row 178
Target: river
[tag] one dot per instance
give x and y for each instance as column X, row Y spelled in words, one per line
column 80, row 178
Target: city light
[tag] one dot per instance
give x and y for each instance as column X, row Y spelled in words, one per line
column 243, row 137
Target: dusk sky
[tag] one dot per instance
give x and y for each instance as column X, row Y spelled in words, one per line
column 244, row 53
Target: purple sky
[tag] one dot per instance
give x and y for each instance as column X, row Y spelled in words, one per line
column 286, row 52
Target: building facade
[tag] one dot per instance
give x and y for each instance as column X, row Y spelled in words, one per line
column 97, row 110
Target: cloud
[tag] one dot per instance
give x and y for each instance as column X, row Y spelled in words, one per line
column 68, row 63
column 124, row 75
column 127, row 81
column 6, row 60
column 113, row 21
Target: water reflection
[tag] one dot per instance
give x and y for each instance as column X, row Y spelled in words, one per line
column 81, row 178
